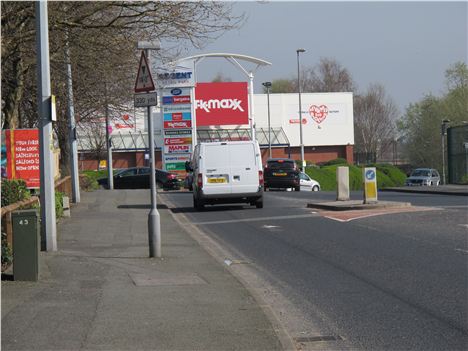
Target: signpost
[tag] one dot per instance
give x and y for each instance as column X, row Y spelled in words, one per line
column 370, row 185
column 144, row 83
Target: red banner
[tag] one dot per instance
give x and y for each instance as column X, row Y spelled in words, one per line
column 22, row 146
column 177, row 124
column 222, row 103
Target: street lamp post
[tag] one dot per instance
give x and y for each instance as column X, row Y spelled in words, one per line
column 443, row 134
column 298, row 51
column 267, row 85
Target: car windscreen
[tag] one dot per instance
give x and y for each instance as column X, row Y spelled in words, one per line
column 281, row 164
column 420, row 173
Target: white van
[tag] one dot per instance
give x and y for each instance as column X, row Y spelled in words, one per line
column 227, row 172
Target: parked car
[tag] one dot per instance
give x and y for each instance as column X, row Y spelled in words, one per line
column 307, row 183
column 281, row 173
column 423, row 176
column 138, row 178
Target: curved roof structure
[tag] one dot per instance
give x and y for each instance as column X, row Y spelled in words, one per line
column 251, row 59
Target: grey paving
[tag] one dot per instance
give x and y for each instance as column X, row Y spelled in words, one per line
column 100, row 291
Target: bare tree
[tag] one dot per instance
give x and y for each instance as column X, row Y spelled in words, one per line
column 326, row 77
column 102, row 38
column 374, row 121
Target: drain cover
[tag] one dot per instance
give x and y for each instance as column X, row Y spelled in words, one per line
column 318, row 338
column 166, row 279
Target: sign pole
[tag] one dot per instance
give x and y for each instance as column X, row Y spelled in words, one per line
column 154, row 223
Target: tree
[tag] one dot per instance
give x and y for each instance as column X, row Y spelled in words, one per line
column 220, row 77
column 421, row 124
column 326, row 77
column 374, row 121
column 102, row 37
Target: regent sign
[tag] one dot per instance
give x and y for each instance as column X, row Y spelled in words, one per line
column 221, row 103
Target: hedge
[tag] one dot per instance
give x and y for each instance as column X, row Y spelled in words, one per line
column 387, row 175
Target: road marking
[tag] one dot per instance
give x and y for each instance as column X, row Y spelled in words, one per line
column 266, row 226
column 463, row 225
column 461, row 250
column 256, row 219
column 347, row 216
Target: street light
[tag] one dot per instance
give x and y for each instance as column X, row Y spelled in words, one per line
column 300, row 108
column 443, row 134
column 267, row 85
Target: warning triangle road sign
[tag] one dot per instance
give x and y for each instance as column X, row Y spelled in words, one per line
column 144, row 81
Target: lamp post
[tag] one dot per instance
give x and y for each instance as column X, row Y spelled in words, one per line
column 298, row 51
column 267, row 85
column 445, row 122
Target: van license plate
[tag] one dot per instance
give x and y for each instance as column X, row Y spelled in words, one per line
column 279, row 174
column 216, row 180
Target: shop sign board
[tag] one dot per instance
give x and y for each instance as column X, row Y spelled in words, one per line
column 177, row 149
column 224, row 103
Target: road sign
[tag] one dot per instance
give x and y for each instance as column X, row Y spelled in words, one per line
column 144, row 81
column 144, row 100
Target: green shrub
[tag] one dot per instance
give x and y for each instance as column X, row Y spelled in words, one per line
column 7, row 254
column 387, row 176
column 88, row 180
column 336, row 161
column 58, row 204
column 14, row 190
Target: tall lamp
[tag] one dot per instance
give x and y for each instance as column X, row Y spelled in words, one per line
column 267, row 85
column 298, row 51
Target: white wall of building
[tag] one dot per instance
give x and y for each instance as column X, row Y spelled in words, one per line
column 336, row 127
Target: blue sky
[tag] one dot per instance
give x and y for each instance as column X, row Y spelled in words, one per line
column 405, row 46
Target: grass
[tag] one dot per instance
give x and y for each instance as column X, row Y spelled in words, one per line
column 387, row 175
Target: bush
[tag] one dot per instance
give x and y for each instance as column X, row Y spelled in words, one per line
column 88, row 180
column 59, row 204
column 7, row 254
column 387, row 176
column 14, row 190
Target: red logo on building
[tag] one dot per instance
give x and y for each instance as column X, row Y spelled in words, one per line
column 318, row 113
column 221, row 103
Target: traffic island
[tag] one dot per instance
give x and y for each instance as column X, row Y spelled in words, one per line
column 356, row 205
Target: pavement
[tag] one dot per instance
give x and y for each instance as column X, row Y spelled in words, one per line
column 349, row 205
column 101, row 291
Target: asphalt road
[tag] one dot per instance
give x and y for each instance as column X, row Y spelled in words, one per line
column 397, row 281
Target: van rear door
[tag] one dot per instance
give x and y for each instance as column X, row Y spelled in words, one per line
column 244, row 168
column 216, row 169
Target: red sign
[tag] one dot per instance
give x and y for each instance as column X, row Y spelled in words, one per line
column 318, row 113
column 177, row 124
column 177, row 141
column 222, row 103
column 23, row 156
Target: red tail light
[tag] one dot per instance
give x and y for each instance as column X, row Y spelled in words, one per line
column 200, row 180
column 172, row 176
column 260, row 177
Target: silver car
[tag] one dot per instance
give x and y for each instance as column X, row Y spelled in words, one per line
column 423, row 176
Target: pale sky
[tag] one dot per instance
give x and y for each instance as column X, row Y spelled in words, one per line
column 405, row 46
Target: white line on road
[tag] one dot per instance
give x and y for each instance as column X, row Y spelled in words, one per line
column 461, row 250
column 257, row 219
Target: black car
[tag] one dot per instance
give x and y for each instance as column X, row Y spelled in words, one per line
column 281, row 173
column 139, row 178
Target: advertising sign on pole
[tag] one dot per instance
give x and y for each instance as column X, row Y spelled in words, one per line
column 22, row 156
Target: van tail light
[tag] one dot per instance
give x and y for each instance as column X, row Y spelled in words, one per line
column 172, row 176
column 260, row 177
column 200, row 180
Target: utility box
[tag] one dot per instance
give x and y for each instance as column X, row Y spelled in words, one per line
column 26, row 239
